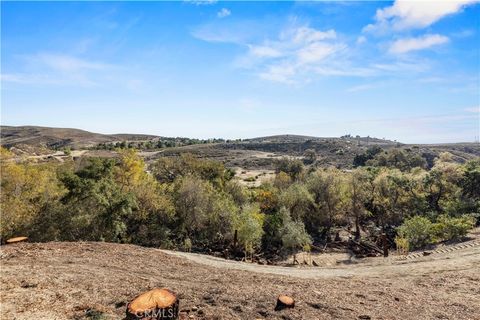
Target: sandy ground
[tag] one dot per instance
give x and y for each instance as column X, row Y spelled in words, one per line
column 243, row 176
column 89, row 280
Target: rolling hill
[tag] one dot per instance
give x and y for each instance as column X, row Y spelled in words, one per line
column 60, row 137
column 255, row 153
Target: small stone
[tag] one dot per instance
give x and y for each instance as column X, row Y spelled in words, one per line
column 237, row 308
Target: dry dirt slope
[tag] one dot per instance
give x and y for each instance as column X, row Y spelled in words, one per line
column 95, row 280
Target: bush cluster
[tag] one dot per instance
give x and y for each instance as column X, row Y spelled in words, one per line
column 197, row 204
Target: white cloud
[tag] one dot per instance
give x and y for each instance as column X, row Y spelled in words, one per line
column 361, row 39
column 473, row 109
column 279, row 73
column 413, row 44
column 407, row 14
column 224, row 13
column 296, row 51
column 308, row 35
column 301, row 53
column 264, row 51
column 315, row 52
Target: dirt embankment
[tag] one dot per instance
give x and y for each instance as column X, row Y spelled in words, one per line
column 96, row 280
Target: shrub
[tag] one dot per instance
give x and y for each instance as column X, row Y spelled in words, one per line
column 418, row 231
column 293, row 234
column 452, row 228
column 249, row 224
column 402, row 245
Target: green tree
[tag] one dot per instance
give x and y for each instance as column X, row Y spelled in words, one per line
column 328, row 190
column 418, row 231
column 358, row 195
column 27, row 189
column 96, row 207
column 168, row 169
column 393, row 196
column 203, row 213
column 292, row 167
column 310, row 156
column 470, row 186
column 298, row 201
column 249, row 224
column 154, row 208
column 293, row 234
column 398, row 158
column 370, row 153
column 442, row 185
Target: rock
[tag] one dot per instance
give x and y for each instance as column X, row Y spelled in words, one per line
column 263, row 313
column 364, row 317
column 237, row 308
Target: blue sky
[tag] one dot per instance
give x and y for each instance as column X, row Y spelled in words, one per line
column 400, row 70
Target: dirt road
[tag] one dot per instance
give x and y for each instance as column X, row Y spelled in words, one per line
column 91, row 280
column 460, row 257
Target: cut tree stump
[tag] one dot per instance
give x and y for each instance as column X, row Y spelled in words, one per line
column 284, row 302
column 156, row 304
column 17, row 239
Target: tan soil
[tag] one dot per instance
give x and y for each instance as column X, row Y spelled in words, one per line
column 82, row 280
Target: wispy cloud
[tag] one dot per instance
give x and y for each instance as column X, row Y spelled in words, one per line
column 473, row 109
column 29, row 78
column 201, row 2
column 224, row 12
column 265, row 51
column 405, row 14
column 59, row 69
column 294, row 51
column 361, row 39
column 414, row 44
column 66, row 63
column 363, row 87
column 300, row 53
column 298, row 50
column 463, row 33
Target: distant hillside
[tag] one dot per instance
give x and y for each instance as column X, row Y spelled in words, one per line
column 293, row 138
column 254, row 153
column 60, row 137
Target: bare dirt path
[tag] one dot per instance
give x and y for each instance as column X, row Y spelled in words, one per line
column 460, row 257
column 92, row 280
